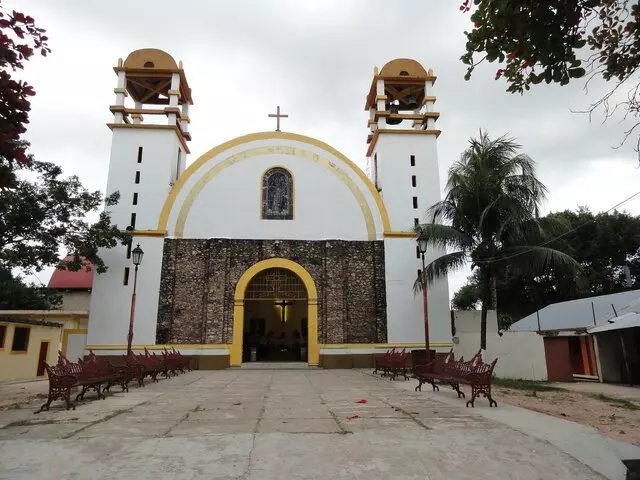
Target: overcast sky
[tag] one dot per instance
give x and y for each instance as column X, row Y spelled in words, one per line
column 315, row 59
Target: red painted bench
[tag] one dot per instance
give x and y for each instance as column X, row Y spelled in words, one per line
column 144, row 366
column 66, row 375
column 381, row 360
column 175, row 361
column 475, row 373
column 393, row 364
column 123, row 374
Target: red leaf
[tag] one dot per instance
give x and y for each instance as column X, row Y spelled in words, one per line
column 361, row 401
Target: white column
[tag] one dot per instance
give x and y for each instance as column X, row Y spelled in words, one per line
column 428, row 91
column 174, row 93
column 382, row 121
column 137, row 117
column 120, row 92
column 372, row 115
column 184, row 120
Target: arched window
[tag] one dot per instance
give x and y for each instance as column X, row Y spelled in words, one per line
column 277, row 194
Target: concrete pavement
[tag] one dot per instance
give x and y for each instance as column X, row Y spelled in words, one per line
column 268, row 424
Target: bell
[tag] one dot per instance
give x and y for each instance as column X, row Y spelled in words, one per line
column 413, row 101
column 393, row 108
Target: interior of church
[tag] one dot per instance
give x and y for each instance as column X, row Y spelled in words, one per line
column 275, row 330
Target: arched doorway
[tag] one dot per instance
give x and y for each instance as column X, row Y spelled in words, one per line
column 278, row 285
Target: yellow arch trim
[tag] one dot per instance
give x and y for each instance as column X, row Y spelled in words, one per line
column 179, row 185
column 235, row 349
column 324, row 162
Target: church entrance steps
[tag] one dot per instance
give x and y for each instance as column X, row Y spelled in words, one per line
column 277, row 366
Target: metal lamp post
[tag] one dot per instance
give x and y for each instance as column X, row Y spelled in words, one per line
column 136, row 256
column 422, row 246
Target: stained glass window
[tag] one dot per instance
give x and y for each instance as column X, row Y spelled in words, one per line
column 277, row 194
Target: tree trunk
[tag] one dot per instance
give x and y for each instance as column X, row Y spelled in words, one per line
column 494, row 292
column 488, row 289
column 483, row 325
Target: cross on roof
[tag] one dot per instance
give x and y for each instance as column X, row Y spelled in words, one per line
column 277, row 116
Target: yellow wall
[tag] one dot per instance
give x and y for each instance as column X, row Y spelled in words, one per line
column 76, row 300
column 24, row 365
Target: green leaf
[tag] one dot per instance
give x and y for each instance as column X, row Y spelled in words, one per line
column 577, row 72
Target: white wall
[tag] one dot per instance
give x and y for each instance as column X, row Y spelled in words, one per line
column 405, row 313
column 395, row 172
column 520, row 354
column 111, row 299
column 229, row 204
column 75, row 346
column 157, row 171
column 405, row 316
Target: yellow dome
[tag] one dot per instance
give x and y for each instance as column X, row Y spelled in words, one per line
column 403, row 66
column 150, row 58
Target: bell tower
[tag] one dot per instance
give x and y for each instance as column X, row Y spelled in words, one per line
column 402, row 161
column 150, row 135
column 148, row 154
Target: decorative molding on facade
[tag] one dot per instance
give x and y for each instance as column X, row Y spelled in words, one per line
column 181, row 135
column 191, row 170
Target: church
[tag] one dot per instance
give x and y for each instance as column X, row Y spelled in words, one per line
column 272, row 246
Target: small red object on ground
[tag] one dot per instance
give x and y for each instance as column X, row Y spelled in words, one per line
column 361, row 401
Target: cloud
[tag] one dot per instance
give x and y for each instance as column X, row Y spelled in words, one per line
column 315, row 59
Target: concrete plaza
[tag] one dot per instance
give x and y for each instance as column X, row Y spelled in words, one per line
column 297, row 424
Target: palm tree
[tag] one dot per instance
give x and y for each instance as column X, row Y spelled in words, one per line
column 490, row 218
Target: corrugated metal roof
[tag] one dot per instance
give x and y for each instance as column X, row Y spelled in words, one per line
column 628, row 320
column 576, row 313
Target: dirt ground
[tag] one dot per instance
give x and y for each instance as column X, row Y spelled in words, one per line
column 14, row 395
column 611, row 419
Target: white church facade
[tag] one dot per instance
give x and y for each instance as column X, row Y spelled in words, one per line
column 272, row 246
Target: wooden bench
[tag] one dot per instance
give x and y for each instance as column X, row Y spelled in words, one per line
column 175, row 361
column 122, row 374
column 480, row 381
column 381, row 360
column 143, row 366
column 474, row 373
column 434, row 370
column 66, row 375
column 393, row 364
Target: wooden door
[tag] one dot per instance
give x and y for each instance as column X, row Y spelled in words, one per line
column 44, row 349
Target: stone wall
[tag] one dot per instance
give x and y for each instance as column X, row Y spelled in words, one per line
column 199, row 278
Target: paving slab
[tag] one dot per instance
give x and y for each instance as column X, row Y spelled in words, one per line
column 195, row 428
column 298, row 424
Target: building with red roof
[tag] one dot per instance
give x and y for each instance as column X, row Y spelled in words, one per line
column 75, row 287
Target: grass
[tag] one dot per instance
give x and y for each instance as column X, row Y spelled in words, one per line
column 528, row 385
column 615, row 402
